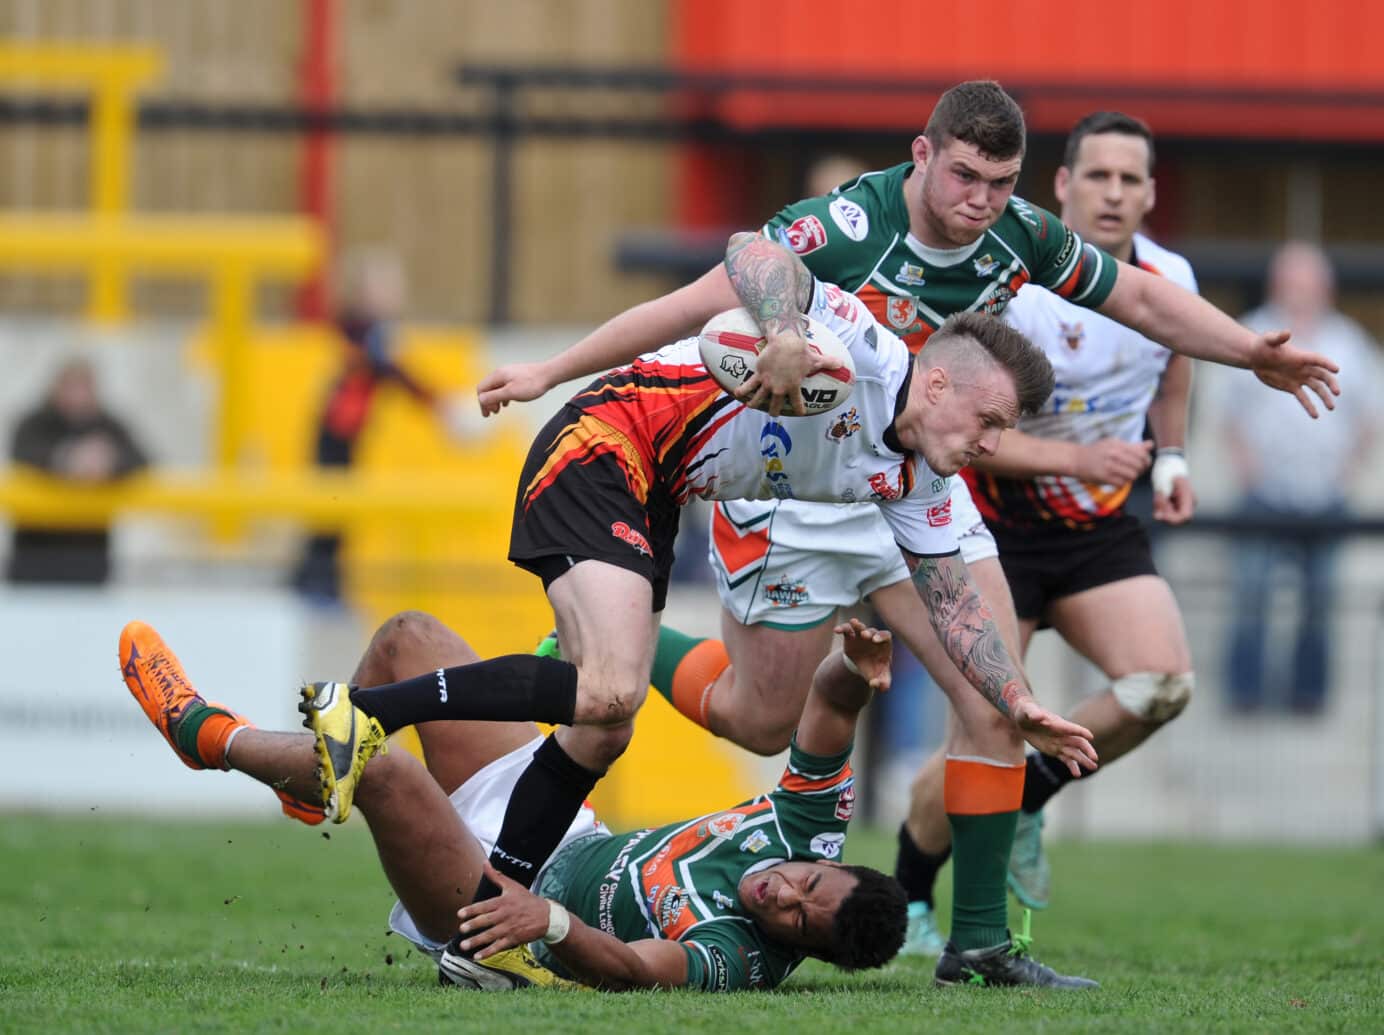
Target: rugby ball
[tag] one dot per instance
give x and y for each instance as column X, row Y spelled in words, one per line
column 730, row 344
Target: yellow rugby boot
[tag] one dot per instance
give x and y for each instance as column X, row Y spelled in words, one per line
column 345, row 738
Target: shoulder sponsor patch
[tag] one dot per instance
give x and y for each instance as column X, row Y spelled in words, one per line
column 804, row 235
column 850, row 218
column 827, row 844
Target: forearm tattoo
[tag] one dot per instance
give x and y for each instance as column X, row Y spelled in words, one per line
column 968, row 631
column 771, row 281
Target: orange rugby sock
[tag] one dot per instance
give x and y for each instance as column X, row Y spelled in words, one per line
column 694, row 677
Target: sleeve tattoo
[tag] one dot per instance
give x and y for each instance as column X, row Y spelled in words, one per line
column 967, row 629
column 772, row 282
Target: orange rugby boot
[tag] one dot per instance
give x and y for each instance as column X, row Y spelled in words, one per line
column 157, row 681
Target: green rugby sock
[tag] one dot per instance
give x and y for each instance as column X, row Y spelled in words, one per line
column 672, row 647
column 980, row 868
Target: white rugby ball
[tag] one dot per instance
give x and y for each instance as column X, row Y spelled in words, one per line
column 730, row 344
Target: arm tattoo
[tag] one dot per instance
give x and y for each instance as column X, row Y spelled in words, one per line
column 772, row 282
column 967, row 630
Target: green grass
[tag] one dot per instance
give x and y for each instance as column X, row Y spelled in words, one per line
column 133, row 925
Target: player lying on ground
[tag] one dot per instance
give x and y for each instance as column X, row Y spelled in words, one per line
column 730, row 900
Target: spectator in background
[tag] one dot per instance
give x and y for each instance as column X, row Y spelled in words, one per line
column 828, row 172
column 370, row 301
column 1291, row 469
column 70, row 436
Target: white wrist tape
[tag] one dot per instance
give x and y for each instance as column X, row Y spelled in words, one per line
column 850, row 665
column 1168, row 467
column 559, row 923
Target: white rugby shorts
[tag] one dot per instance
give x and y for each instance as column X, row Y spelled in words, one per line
column 790, row 564
column 481, row 802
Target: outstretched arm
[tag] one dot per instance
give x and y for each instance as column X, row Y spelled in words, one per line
column 972, row 641
column 1175, row 317
column 601, row 960
column 838, row 694
column 616, row 342
column 1111, row 461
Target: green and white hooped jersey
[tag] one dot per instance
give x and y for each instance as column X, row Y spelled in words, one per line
column 858, row 238
column 681, row 881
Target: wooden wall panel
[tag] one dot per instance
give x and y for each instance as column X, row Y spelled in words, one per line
column 428, row 196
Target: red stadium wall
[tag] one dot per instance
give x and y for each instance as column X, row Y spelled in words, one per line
column 1260, row 69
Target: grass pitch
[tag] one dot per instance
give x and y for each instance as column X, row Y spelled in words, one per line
column 132, row 925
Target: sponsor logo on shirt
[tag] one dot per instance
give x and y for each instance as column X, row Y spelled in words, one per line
column 986, row 265
column 666, row 903
column 1024, row 212
column 720, row 972
column 774, row 445
column 804, row 236
column 786, row 593
column 880, row 487
column 910, row 274
column 827, row 844
column 1072, row 333
column 840, row 302
column 625, row 534
column 1068, row 247
column 755, row 843
column 937, row 484
column 844, row 426
column 753, row 963
column 845, row 803
column 722, row 900
column 939, row 515
column 901, row 312
column 850, row 218
column 998, row 299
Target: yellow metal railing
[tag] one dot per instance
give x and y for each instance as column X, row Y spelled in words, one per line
column 108, row 243
column 112, row 76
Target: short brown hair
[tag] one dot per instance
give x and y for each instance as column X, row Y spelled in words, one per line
column 979, row 112
column 1106, row 122
column 1026, row 362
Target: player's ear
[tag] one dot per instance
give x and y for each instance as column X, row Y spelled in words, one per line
column 935, row 382
column 922, row 151
column 1149, row 201
column 1060, row 183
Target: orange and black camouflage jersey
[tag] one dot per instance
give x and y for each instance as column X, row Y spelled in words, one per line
column 858, row 237
column 673, row 431
column 1107, row 376
column 681, row 881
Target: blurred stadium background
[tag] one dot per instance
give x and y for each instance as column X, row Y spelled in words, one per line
column 180, row 178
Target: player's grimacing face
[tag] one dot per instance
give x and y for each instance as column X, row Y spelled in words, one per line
column 795, row 903
column 1108, row 190
column 964, row 419
column 964, row 192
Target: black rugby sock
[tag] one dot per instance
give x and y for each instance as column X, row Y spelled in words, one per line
column 917, row 870
column 513, row 688
column 546, row 799
column 1044, row 776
